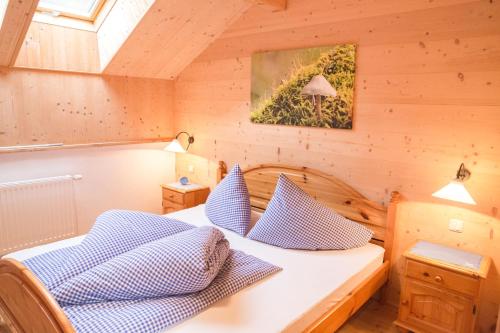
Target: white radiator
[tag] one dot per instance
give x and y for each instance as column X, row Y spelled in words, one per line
column 37, row 211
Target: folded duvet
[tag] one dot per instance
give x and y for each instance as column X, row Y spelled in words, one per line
column 184, row 263
column 115, row 232
column 161, row 277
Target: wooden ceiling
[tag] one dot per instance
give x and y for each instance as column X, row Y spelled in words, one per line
column 171, row 34
column 138, row 38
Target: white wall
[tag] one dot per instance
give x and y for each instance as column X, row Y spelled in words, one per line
column 125, row 177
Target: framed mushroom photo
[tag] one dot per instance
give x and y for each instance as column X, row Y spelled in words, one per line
column 304, row 87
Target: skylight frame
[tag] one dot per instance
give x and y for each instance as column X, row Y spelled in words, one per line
column 94, row 12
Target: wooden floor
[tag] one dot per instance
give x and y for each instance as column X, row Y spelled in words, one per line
column 372, row 318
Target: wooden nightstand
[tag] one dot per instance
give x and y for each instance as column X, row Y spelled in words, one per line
column 176, row 196
column 440, row 291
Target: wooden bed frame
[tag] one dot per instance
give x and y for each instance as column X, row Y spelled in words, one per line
column 26, row 306
column 261, row 181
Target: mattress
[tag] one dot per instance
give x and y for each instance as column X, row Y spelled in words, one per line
column 289, row 301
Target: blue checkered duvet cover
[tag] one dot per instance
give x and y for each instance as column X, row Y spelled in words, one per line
column 146, row 314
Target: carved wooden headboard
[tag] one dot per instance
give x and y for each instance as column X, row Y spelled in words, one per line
column 334, row 193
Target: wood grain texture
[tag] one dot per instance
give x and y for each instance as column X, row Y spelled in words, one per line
column 261, row 181
column 422, row 110
column 16, row 20
column 442, row 277
column 426, row 99
column 26, row 305
column 428, row 221
column 374, row 317
column 348, row 306
column 26, row 292
column 174, row 199
column 429, row 309
column 53, row 47
column 46, row 107
column 170, row 35
column 439, row 297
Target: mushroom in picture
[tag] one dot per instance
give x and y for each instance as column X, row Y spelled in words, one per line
column 317, row 87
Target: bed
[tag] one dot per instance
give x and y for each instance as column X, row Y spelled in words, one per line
column 316, row 291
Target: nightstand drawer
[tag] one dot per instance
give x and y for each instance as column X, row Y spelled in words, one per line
column 173, row 196
column 443, row 278
column 169, row 206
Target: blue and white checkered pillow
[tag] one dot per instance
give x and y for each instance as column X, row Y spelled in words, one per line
column 115, row 232
column 295, row 220
column 183, row 263
column 228, row 205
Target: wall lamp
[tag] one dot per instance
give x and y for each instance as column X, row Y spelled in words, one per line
column 455, row 190
column 175, row 146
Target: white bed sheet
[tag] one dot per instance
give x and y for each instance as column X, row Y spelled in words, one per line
column 311, row 282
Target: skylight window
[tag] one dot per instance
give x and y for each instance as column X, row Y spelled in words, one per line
column 79, row 9
column 3, row 8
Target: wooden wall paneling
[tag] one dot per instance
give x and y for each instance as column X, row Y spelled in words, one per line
column 182, row 30
column 389, row 26
column 402, row 98
column 39, row 107
column 16, row 20
column 59, row 48
column 315, row 13
column 426, row 99
column 476, row 53
column 369, row 160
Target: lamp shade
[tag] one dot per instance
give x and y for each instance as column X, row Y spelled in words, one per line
column 175, row 147
column 455, row 191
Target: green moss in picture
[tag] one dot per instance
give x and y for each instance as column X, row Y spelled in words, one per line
column 305, row 87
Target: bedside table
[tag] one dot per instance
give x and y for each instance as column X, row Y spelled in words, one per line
column 440, row 291
column 176, row 196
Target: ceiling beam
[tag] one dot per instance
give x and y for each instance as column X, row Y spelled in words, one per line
column 15, row 24
column 277, row 5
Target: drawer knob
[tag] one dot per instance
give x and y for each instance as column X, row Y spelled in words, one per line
column 438, row 279
column 425, row 274
column 404, row 302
